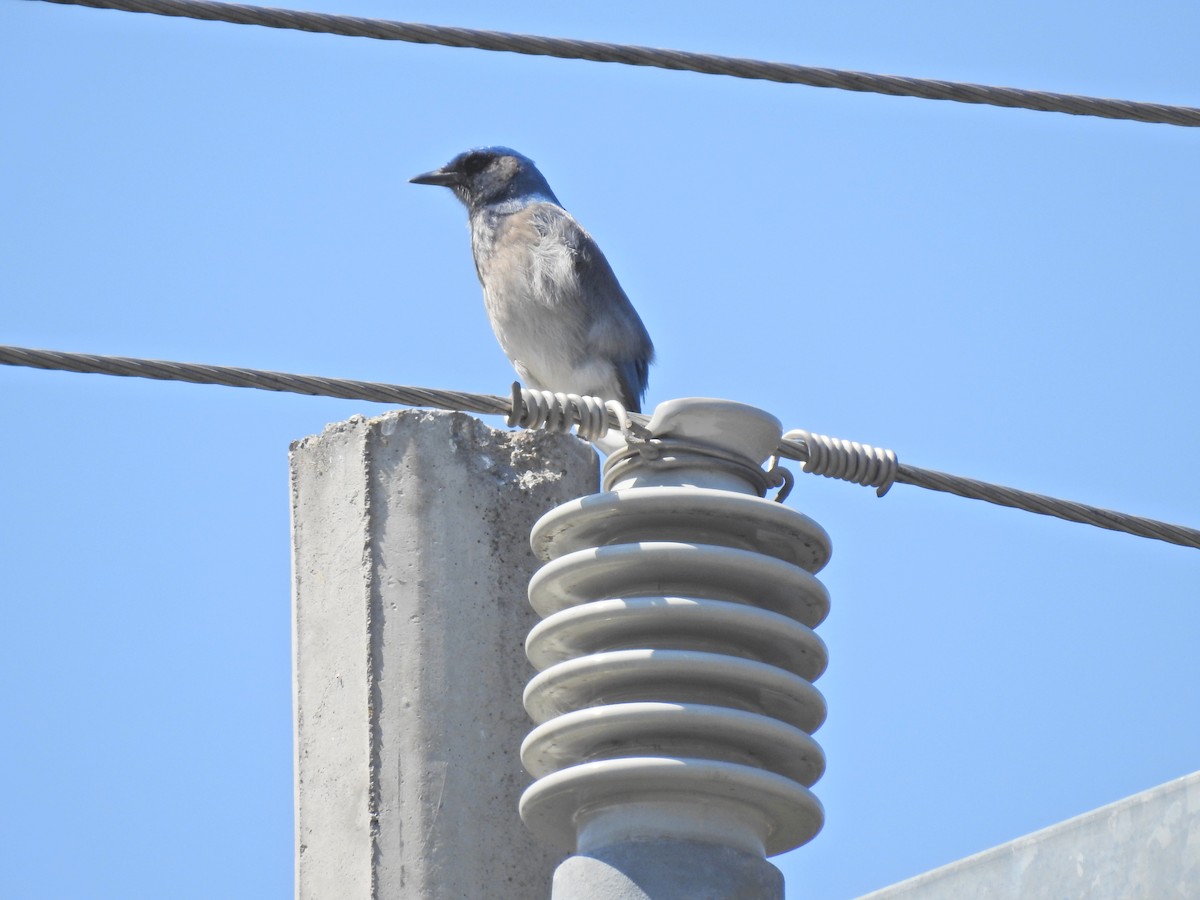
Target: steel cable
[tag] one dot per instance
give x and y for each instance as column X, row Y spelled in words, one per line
column 832, row 457
column 704, row 63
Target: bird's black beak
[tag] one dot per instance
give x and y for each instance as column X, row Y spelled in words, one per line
column 443, row 176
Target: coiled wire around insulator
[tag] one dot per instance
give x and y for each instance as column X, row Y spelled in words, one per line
column 848, row 460
column 671, row 453
column 556, row 411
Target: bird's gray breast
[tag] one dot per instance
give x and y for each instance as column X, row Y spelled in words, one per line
column 526, row 261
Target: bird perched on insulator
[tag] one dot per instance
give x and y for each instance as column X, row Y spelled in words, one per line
column 555, row 305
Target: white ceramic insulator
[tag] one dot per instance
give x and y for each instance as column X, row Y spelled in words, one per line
column 676, row 657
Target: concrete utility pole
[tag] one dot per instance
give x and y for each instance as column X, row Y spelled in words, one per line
column 410, row 565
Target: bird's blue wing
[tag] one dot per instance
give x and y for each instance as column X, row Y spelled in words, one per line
column 613, row 329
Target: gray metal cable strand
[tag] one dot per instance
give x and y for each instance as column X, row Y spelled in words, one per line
column 491, row 404
column 705, row 63
column 1048, row 506
column 229, row 376
column 861, row 465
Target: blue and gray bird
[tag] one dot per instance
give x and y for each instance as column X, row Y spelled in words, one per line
column 556, row 306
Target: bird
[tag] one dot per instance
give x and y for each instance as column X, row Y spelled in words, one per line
column 555, row 305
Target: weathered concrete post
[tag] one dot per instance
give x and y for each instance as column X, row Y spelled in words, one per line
column 410, row 537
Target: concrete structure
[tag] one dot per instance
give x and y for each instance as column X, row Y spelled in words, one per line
column 410, row 564
column 1145, row 847
column 674, row 699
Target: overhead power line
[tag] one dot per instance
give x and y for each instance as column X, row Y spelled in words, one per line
column 705, row 63
column 820, row 455
column 231, row 376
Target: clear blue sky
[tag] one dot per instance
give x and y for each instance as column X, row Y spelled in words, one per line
column 1003, row 294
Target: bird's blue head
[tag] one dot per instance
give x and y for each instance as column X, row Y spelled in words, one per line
column 490, row 176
